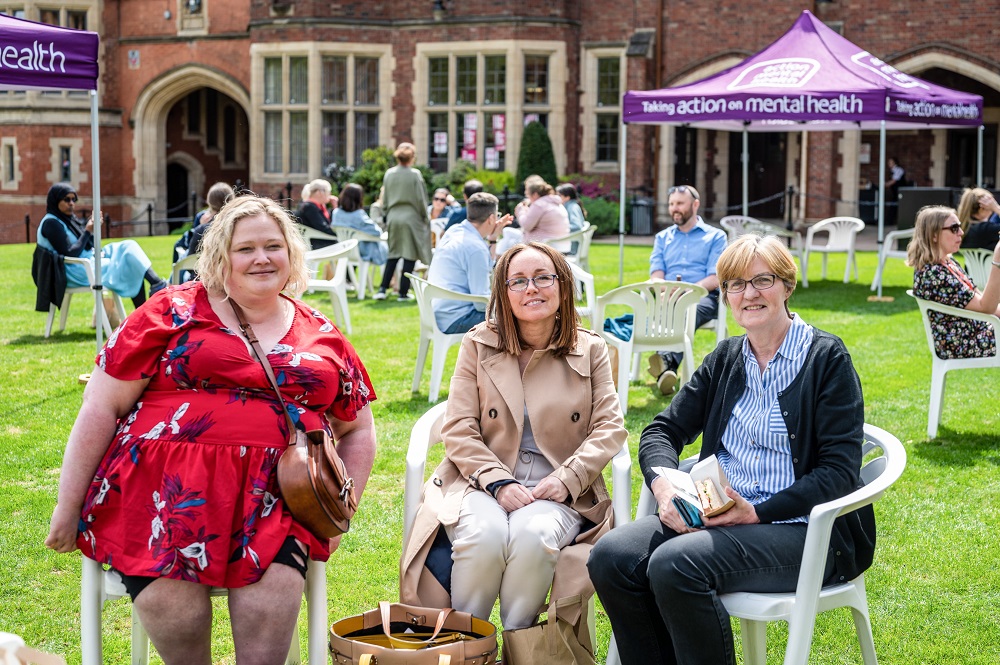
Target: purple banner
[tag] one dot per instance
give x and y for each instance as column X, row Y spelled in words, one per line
column 44, row 57
column 810, row 78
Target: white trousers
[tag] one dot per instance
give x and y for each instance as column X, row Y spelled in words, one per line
column 510, row 556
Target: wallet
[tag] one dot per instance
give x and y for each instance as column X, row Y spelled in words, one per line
column 689, row 513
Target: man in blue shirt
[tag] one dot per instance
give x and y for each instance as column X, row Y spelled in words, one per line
column 463, row 260
column 686, row 251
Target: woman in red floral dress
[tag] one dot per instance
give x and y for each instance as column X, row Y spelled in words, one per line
column 169, row 474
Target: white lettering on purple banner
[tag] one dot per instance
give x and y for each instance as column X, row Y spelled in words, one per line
column 923, row 109
column 888, row 72
column 36, row 58
column 780, row 73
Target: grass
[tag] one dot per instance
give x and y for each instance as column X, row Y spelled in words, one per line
column 932, row 590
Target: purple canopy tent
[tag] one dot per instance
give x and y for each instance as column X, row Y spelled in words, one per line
column 810, row 79
column 37, row 56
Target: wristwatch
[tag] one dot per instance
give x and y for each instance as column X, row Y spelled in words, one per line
column 995, row 264
column 493, row 242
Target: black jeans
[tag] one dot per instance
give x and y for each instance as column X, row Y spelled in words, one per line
column 661, row 589
column 390, row 270
column 708, row 309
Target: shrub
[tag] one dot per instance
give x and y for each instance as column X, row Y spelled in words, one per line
column 494, row 181
column 374, row 163
column 594, row 186
column 338, row 175
column 536, row 156
column 602, row 213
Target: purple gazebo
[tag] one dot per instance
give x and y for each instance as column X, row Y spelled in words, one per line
column 810, row 79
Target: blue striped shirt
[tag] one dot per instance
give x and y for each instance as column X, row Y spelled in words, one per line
column 756, row 454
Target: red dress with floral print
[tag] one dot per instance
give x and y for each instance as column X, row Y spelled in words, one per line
column 188, row 487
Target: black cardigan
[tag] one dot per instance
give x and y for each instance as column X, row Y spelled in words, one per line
column 823, row 409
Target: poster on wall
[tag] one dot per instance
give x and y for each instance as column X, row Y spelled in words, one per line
column 471, row 121
column 440, row 143
column 500, row 139
column 492, row 159
column 469, row 154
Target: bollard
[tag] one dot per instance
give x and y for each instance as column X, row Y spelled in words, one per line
column 27, row 229
column 149, row 218
column 789, row 198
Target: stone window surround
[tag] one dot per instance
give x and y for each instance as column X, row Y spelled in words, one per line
column 515, row 109
column 77, row 174
column 315, row 51
column 589, row 108
column 12, row 180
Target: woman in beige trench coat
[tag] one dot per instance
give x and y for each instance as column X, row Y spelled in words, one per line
column 532, row 420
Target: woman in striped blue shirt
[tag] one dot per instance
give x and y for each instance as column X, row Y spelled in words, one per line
column 782, row 410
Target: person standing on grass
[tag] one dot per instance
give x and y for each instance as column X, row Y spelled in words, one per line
column 687, row 251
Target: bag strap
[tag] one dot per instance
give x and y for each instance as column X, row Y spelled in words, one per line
column 385, row 608
column 247, row 331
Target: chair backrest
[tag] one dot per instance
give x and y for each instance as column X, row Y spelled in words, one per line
column 340, row 253
column 890, row 240
column 584, row 278
column 931, row 306
column 309, row 234
column 426, row 432
column 660, row 309
column 735, row 225
column 842, row 232
column 187, row 263
column 426, row 293
column 978, row 263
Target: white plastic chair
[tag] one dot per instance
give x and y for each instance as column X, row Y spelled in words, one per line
column 364, row 275
column 842, row 233
column 426, row 433
column 663, row 320
column 737, row 225
column 99, row 586
column 186, row 263
column 799, row 609
column 70, row 290
column 309, row 234
column 429, row 331
column 889, row 251
column 337, row 286
column 583, row 237
column 941, row 366
column 585, row 287
column 978, row 263
column 719, row 324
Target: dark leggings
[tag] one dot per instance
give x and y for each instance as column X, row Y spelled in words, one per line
column 290, row 554
column 390, row 270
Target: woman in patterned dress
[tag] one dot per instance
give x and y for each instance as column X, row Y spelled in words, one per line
column 169, row 475
column 938, row 277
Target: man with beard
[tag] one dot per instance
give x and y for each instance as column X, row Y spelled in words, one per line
column 686, row 251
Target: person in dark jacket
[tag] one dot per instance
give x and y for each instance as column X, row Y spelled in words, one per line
column 781, row 409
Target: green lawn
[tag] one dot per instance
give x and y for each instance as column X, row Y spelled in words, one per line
column 932, row 590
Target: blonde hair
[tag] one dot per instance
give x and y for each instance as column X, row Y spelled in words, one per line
column 969, row 205
column 923, row 248
column 214, row 266
column 405, row 153
column 501, row 314
column 534, row 184
column 737, row 258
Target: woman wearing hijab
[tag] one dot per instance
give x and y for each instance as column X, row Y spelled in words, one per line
column 124, row 265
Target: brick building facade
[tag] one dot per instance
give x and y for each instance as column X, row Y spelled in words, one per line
column 268, row 92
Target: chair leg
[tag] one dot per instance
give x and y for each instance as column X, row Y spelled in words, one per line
column 422, row 347
column 878, row 271
column 362, row 284
column 754, row 636
column 825, row 257
column 438, row 357
column 49, row 321
column 317, row 612
column 64, row 311
column 863, row 627
column 613, row 657
column 939, row 377
column 91, row 606
column 140, row 641
column 805, row 268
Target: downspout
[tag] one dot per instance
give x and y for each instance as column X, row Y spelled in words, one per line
column 657, row 84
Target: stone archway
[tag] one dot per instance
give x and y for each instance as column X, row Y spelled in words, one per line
column 150, row 116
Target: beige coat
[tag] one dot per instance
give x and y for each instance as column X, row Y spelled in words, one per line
column 577, row 423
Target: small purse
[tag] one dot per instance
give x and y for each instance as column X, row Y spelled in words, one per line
column 398, row 634
column 311, row 476
column 551, row 641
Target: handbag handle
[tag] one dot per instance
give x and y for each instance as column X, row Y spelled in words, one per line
column 385, row 606
column 247, row 331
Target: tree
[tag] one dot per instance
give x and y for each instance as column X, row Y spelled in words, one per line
column 536, row 156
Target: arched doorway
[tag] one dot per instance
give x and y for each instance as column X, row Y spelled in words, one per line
column 190, row 114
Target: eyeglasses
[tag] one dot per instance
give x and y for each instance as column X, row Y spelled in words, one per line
column 760, row 282
column 683, row 189
column 71, row 199
column 440, row 199
column 540, row 282
column 954, row 228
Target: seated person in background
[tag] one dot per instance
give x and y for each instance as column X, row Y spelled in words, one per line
column 533, row 418
column 442, row 204
column 781, row 408
column 574, row 210
column 462, row 262
column 938, row 277
column 350, row 214
column 456, row 215
column 687, row 251
column 124, row 265
column 541, row 215
column 979, row 214
column 218, row 195
column 314, row 212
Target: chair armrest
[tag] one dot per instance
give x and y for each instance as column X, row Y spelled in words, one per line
column 621, row 485
column 416, row 461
